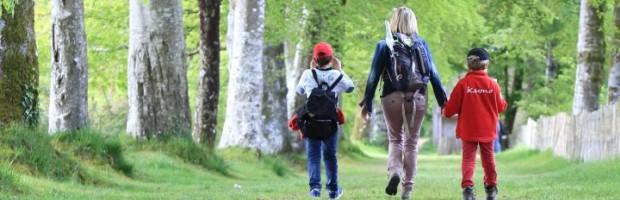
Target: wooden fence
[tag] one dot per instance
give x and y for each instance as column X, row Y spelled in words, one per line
column 584, row 137
column 444, row 134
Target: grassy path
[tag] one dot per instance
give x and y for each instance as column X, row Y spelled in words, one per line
column 523, row 174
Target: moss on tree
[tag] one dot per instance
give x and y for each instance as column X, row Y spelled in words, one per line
column 18, row 65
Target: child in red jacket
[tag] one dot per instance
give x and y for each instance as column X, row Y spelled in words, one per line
column 477, row 100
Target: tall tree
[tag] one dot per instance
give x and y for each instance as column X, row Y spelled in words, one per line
column 18, row 64
column 209, row 77
column 614, row 73
column 157, row 79
column 68, row 109
column 274, row 98
column 243, row 125
column 590, row 58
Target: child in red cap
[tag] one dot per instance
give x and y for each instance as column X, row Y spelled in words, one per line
column 477, row 100
column 325, row 73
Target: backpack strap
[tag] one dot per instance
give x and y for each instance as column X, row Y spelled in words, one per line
column 315, row 77
column 331, row 87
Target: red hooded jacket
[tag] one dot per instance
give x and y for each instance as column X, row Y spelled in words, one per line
column 477, row 99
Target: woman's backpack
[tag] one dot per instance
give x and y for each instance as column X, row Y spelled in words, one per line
column 318, row 117
column 408, row 66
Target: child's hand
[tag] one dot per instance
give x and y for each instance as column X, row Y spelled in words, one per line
column 336, row 63
column 300, row 136
column 313, row 64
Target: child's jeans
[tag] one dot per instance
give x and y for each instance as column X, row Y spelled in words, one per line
column 314, row 149
column 469, row 163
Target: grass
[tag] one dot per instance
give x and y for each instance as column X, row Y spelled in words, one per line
column 90, row 144
column 8, row 182
column 180, row 169
column 31, row 151
column 185, row 149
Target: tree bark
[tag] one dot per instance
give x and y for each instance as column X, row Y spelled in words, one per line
column 590, row 60
column 551, row 72
column 274, row 99
column 614, row 73
column 513, row 95
column 68, row 109
column 158, row 100
column 294, row 53
column 19, row 70
column 205, row 126
column 243, row 125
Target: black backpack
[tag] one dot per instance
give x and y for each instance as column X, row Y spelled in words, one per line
column 318, row 117
column 408, row 66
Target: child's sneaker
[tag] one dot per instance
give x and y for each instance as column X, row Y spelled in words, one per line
column 336, row 194
column 491, row 192
column 468, row 193
column 315, row 193
column 392, row 187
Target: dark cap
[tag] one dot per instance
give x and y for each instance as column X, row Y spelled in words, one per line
column 480, row 52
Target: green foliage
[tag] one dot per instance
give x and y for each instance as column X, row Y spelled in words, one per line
column 556, row 97
column 33, row 150
column 522, row 38
column 8, row 6
column 29, row 103
column 88, row 144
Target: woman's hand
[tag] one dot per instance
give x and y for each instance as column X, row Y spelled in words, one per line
column 364, row 113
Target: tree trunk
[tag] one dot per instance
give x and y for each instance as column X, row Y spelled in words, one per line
column 68, row 109
column 378, row 130
column 274, row 99
column 295, row 64
column 362, row 127
column 19, row 72
column 513, row 95
column 205, row 126
column 551, row 72
column 231, row 29
column 158, row 102
column 614, row 73
column 243, row 125
column 590, row 60
column 293, row 56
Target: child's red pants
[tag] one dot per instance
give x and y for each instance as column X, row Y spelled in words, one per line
column 468, row 163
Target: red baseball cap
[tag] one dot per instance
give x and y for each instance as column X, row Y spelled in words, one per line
column 322, row 52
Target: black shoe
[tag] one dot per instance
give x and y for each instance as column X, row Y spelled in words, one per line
column 491, row 192
column 392, row 187
column 468, row 193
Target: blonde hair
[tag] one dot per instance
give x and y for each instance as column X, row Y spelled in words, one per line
column 404, row 21
column 475, row 63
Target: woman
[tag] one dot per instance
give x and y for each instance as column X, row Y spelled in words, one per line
column 402, row 106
